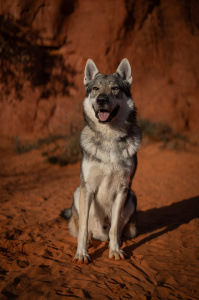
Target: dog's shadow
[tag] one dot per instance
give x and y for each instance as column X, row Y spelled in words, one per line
column 164, row 219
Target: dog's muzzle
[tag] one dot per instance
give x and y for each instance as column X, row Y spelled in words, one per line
column 102, row 100
column 103, row 113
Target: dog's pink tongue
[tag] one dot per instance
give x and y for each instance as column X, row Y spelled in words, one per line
column 103, row 116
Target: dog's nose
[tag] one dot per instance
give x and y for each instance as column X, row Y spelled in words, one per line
column 102, row 99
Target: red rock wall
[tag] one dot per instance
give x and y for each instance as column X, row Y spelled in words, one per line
column 45, row 45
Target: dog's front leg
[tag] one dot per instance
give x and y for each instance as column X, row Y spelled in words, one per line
column 114, row 249
column 82, row 256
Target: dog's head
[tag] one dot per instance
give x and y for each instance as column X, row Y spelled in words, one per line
column 107, row 96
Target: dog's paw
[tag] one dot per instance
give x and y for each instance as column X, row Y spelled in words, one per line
column 80, row 259
column 117, row 255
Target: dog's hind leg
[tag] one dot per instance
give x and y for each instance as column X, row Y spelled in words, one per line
column 128, row 216
column 72, row 214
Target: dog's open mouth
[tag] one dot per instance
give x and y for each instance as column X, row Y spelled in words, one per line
column 105, row 116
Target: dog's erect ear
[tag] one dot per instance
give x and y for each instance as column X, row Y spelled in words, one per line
column 124, row 70
column 90, row 71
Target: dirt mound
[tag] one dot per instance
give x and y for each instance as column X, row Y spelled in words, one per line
column 45, row 45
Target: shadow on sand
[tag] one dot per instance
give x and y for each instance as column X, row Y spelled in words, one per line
column 167, row 218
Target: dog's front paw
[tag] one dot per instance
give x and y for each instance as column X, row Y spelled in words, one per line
column 80, row 259
column 117, row 254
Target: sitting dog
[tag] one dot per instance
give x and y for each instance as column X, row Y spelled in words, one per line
column 104, row 205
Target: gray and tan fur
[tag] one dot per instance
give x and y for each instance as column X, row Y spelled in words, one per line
column 104, row 204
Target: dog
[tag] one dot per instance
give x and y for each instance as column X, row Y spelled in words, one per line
column 104, row 205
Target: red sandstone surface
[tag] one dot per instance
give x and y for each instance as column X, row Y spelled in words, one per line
column 45, row 45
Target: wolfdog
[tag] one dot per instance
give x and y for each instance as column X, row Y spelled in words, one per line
column 104, row 205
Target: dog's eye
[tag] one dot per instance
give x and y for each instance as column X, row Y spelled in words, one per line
column 115, row 88
column 95, row 88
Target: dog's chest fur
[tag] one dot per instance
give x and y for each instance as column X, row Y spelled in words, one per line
column 107, row 163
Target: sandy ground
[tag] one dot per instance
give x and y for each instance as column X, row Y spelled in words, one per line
column 36, row 248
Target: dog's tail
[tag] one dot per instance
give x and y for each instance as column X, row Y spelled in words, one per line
column 67, row 213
